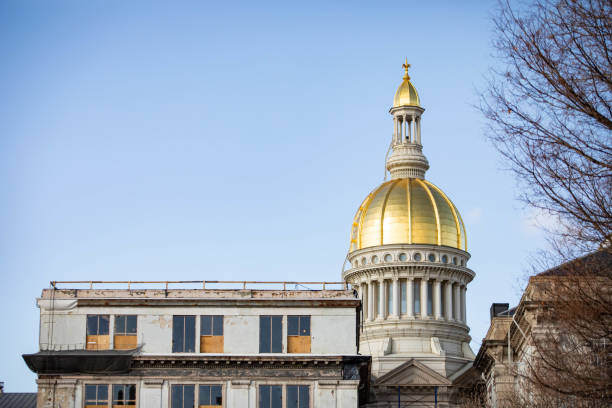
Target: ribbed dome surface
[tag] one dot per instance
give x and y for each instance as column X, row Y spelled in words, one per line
column 407, row 211
column 406, row 95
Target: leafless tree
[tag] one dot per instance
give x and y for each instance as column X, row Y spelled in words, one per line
column 549, row 111
column 548, row 106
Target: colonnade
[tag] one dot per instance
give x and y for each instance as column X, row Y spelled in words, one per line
column 407, row 129
column 413, row 298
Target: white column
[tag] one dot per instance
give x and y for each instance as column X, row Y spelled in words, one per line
column 410, row 297
column 463, row 311
column 382, row 299
column 437, row 299
column 457, row 305
column 396, row 298
column 423, row 298
column 448, row 296
column 370, row 301
column 408, row 129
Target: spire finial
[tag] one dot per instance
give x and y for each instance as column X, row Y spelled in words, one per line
column 406, row 65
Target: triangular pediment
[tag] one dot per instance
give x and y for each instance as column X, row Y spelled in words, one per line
column 412, row 373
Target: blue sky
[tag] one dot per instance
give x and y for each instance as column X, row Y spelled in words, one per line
column 151, row 140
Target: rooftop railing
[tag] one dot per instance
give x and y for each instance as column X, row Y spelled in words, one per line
column 203, row 284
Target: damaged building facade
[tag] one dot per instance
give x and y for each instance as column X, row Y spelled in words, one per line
column 182, row 348
column 393, row 333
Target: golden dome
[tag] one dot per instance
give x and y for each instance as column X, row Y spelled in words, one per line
column 406, row 94
column 407, row 211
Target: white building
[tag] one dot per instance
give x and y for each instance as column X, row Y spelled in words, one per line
column 179, row 348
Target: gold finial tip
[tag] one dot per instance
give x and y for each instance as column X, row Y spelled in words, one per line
column 406, row 65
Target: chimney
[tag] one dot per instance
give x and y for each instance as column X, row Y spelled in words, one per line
column 497, row 308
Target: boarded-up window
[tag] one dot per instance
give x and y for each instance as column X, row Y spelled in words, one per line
column 97, row 332
column 183, row 395
column 298, row 334
column 298, row 396
column 211, row 334
column 270, row 334
column 183, row 334
column 124, row 395
column 96, row 395
column 125, row 332
column 210, row 396
column 270, row 396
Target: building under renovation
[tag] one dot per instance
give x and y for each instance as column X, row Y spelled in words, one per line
column 393, row 333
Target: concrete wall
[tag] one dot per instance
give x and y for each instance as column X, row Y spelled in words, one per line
column 332, row 329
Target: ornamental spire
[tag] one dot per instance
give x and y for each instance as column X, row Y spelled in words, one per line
column 406, row 65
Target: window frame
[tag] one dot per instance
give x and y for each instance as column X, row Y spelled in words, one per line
column 299, row 404
column 185, row 337
column 125, row 325
column 97, row 401
column 196, row 395
column 112, row 397
column 279, row 337
column 259, row 394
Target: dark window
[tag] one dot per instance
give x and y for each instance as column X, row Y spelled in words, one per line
column 298, row 396
column 183, row 396
column 270, row 334
column 97, row 325
column 125, row 325
column 124, row 394
column 298, row 325
column 96, row 394
column 270, row 396
column 210, row 395
column 183, row 334
column 211, row 326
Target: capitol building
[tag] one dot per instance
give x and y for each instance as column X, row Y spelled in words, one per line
column 393, row 332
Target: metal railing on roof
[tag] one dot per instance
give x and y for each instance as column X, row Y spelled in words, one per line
column 254, row 285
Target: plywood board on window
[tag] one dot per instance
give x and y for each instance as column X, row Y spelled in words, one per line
column 98, row 342
column 125, row 342
column 211, row 344
column 96, row 406
column 209, row 406
column 298, row 344
column 123, row 406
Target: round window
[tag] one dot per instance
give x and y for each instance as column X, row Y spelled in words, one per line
column 388, row 258
column 444, row 258
column 431, row 257
column 403, row 257
column 375, row 259
column 363, row 261
column 417, row 257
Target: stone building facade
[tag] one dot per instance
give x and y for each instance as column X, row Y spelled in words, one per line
column 173, row 348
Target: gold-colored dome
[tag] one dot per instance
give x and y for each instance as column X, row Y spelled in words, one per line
column 407, row 211
column 406, row 94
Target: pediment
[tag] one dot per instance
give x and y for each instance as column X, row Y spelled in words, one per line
column 412, row 373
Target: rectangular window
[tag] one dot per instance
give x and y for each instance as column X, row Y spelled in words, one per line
column 403, row 293
column 97, row 332
column 125, row 332
column 183, row 334
column 270, row 334
column 417, row 296
column 183, row 396
column 210, row 396
column 270, row 396
column 443, row 302
column 124, row 395
column 376, row 300
column 429, row 298
column 96, row 395
column 298, row 334
column 298, row 396
column 389, row 297
column 211, row 334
